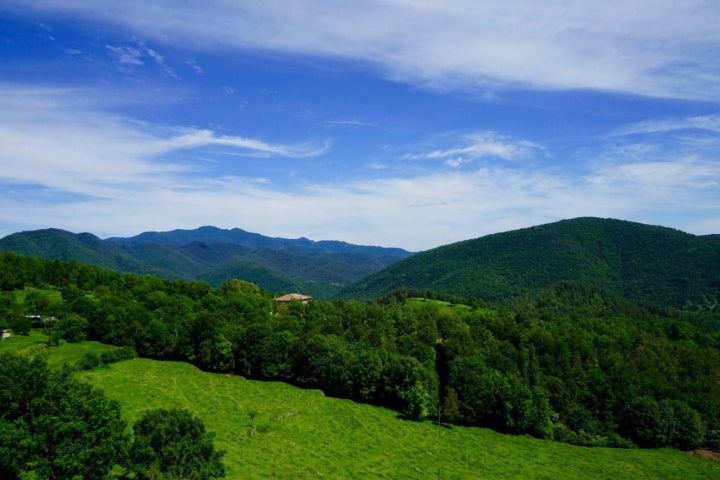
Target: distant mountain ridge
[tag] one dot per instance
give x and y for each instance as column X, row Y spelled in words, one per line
column 632, row 260
column 637, row 261
column 213, row 254
column 237, row 236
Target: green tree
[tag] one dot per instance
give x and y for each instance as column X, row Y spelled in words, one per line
column 417, row 401
column 19, row 324
column 366, row 367
column 689, row 430
column 9, row 306
column 649, row 423
column 172, row 444
column 37, row 303
column 324, row 362
column 402, row 385
column 54, row 425
column 73, row 327
column 155, row 340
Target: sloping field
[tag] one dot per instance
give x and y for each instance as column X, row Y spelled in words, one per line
column 301, row 434
column 65, row 353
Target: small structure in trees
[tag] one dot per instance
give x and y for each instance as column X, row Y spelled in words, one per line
column 298, row 297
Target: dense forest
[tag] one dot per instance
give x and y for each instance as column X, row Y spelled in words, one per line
column 649, row 263
column 572, row 362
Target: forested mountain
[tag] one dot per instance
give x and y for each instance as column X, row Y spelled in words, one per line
column 316, row 268
column 654, row 264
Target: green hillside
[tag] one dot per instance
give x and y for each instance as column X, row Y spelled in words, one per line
column 574, row 362
column 302, row 434
column 649, row 263
column 269, row 278
column 55, row 244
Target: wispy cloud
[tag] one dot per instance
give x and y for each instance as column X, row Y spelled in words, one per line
column 64, row 162
column 196, row 68
column 135, row 56
column 252, row 147
column 483, row 145
column 155, row 56
column 658, row 48
column 464, row 149
column 661, row 179
column 709, row 123
column 126, row 55
column 349, row 123
column 59, row 139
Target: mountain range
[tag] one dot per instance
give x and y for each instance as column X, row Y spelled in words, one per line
column 212, row 254
column 653, row 264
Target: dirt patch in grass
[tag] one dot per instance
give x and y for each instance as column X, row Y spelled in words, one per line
column 709, row 454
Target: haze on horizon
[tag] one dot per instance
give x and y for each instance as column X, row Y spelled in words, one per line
column 392, row 123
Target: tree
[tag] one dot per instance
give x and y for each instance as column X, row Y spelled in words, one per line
column 19, row 324
column 37, row 303
column 55, row 425
column 402, row 386
column 450, row 408
column 172, row 444
column 649, row 423
column 73, row 327
column 366, row 368
column 324, row 362
column 689, row 430
column 417, row 401
column 155, row 340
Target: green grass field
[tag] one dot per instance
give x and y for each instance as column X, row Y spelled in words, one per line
column 301, row 434
column 455, row 308
column 65, row 353
column 53, row 295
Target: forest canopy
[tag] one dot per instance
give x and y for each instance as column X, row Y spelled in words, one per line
column 573, row 362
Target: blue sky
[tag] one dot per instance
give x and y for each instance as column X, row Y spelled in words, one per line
column 397, row 123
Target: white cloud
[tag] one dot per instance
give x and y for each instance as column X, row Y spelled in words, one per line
column 126, row 55
column 482, row 145
column 135, row 56
column 455, row 162
column 415, row 213
column 710, row 123
column 349, row 123
column 253, row 147
column 687, row 182
column 66, row 163
column 60, row 140
column 194, row 65
column 648, row 47
column 155, row 56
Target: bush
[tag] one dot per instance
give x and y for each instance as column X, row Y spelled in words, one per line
column 712, row 440
column 89, row 361
column 20, row 325
column 117, row 355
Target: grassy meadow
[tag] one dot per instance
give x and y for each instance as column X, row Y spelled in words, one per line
column 301, row 434
column 65, row 353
